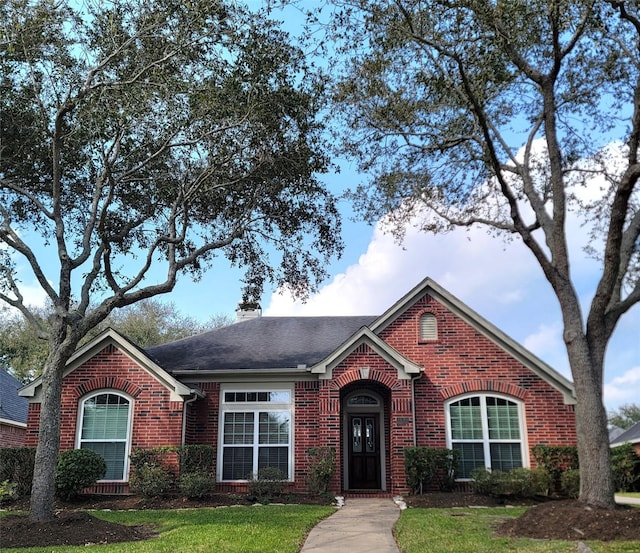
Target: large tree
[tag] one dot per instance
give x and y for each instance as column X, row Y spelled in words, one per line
column 142, row 139
column 470, row 112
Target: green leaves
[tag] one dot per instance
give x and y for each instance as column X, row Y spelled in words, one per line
column 163, row 131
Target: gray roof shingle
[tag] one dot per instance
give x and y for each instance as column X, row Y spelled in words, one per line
column 12, row 406
column 260, row 343
column 631, row 434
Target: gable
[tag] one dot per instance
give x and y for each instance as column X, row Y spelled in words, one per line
column 428, row 289
column 365, row 336
column 111, row 338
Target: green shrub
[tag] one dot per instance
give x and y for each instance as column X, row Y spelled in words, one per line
column 150, row 475
column 322, row 467
column 430, row 466
column 196, row 458
column 8, row 492
column 518, row 482
column 481, row 482
column 16, row 467
column 570, row 483
column 625, row 465
column 195, row 485
column 270, row 482
column 151, row 481
column 556, row 460
column 77, row 469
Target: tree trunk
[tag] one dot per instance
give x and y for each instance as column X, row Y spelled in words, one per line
column 596, row 481
column 43, row 488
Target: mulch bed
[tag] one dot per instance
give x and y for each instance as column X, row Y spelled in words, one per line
column 566, row 520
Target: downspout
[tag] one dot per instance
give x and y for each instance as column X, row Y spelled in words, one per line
column 184, row 414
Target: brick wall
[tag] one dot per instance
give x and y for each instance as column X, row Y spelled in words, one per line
column 12, row 436
column 157, row 419
column 462, row 360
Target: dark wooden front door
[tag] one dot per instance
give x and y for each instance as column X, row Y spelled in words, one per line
column 364, row 452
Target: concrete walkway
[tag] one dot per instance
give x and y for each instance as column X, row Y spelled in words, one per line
column 360, row 526
column 621, row 500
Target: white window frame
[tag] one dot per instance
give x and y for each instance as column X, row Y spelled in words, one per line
column 256, row 408
column 127, row 440
column 486, row 441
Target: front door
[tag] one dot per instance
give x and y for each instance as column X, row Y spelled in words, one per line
column 364, row 452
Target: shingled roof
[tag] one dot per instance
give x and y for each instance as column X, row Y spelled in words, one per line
column 631, row 435
column 260, row 343
column 12, row 407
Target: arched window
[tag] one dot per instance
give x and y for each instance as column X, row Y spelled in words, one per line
column 487, row 431
column 104, row 427
column 428, row 327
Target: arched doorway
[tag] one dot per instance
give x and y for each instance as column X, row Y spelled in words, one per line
column 364, row 433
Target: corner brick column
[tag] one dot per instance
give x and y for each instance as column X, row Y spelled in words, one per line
column 401, row 422
column 329, row 426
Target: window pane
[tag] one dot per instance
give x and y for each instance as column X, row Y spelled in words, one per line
column 471, row 458
column 505, row 456
column 113, row 454
column 105, row 417
column 466, row 419
column 362, row 400
column 277, row 457
column 238, row 428
column 502, row 417
column 237, row 463
column 273, row 428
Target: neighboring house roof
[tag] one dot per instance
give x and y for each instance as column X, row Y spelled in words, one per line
column 13, row 408
column 259, row 344
column 614, row 432
column 631, row 435
column 111, row 337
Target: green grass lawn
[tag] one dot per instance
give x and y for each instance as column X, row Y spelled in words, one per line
column 629, row 494
column 470, row 531
column 263, row 529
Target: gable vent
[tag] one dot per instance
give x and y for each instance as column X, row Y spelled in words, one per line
column 428, row 327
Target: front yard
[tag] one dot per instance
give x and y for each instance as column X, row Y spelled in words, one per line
column 283, row 529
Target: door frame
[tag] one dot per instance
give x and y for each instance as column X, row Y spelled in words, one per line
column 378, row 410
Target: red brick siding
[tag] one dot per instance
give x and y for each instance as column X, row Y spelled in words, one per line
column 12, row 436
column 157, row 419
column 462, row 360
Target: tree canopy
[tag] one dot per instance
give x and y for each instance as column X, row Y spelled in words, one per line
column 502, row 114
column 625, row 416
column 142, row 140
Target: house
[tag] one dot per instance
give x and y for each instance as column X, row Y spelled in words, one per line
column 13, row 412
column 429, row 371
column 630, row 435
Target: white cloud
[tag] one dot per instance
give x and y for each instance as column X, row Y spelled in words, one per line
column 624, row 388
column 500, row 280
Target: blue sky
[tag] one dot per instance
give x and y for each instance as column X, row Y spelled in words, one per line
column 501, row 281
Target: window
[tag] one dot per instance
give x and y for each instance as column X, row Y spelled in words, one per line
column 428, row 327
column 104, row 428
column 255, row 433
column 362, row 400
column 487, row 431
